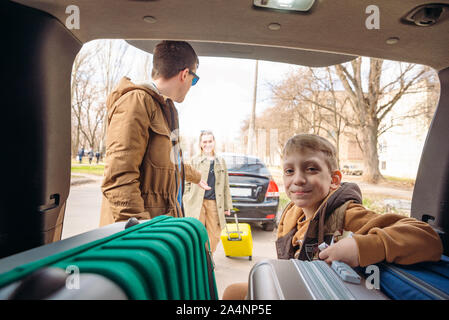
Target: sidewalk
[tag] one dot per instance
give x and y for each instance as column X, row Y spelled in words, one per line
column 379, row 189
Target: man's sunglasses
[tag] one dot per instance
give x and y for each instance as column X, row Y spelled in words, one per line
column 195, row 77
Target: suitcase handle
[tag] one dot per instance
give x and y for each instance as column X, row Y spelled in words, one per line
column 238, row 230
column 237, row 222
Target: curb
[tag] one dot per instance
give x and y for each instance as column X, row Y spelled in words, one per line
column 77, row 182
column 81, row 179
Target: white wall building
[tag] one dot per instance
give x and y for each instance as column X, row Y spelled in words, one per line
column 400, row 148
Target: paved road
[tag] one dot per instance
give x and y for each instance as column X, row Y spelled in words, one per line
column 236, row 269
column 83, row 214
column 83, row 209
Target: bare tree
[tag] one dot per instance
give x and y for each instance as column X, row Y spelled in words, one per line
column 424, row 109
column 83, row 95
column 351, row 99
column 110, row 61
column 313, row 100
column 97, row 69
column 371, row 106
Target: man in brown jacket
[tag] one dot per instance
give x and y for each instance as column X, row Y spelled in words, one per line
column 144, row 172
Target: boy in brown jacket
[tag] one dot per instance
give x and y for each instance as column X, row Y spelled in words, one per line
column 323, row 208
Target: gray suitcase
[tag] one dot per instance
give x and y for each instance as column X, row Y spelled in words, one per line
column 304, row 280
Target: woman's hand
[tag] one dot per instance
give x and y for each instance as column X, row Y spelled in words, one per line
column 345, row 250
column 203, row 184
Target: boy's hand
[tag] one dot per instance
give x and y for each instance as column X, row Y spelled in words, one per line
column 345, row 250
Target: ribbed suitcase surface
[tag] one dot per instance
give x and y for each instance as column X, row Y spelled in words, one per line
column 304, row 280
column 164, row 258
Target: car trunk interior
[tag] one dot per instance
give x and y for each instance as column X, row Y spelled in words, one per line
column 36, row 124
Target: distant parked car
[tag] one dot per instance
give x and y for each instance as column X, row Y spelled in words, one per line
column 352, row 169
column 255, row 195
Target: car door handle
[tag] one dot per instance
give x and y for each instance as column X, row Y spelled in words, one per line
column 54, row 198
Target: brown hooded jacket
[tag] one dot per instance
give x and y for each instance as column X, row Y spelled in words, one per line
column 142, row 177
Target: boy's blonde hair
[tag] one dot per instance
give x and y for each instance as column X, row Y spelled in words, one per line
column 312, row 142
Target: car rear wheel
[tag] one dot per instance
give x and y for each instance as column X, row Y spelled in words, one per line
column 268, row 226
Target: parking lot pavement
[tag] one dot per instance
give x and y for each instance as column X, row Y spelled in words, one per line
column 82, row 212
column 236, row 269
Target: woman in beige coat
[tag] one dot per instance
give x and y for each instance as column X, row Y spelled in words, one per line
column 209, row 206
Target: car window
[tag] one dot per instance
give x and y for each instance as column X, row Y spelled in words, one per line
column 245, row 164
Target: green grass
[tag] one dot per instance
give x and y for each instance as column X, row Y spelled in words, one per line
column 407, row 180
column 95, row 169
column 400, row 182
column 375, row 204
column 283, row 201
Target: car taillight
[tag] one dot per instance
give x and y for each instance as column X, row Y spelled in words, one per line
column 270, row 216
column 273, row 190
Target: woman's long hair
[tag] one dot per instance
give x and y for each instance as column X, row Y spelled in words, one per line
column 206, row 132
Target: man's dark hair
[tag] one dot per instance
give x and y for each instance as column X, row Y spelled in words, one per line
column 170, row 57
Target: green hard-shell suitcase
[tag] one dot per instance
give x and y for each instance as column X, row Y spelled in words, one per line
column 164, row 258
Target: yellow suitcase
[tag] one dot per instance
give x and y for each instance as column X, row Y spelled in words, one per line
column 237, row 239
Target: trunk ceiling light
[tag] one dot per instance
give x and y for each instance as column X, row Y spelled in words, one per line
column 288, row 5
column 392, row 40
column 274, row 26
column 149, row 19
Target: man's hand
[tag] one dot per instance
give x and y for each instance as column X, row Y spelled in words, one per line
column 345, row 250
column 203, row 184
column 227, row 212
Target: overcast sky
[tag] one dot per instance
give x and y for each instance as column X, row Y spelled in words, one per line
column 223, row 97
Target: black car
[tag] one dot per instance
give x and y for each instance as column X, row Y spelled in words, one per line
column 255, row 195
